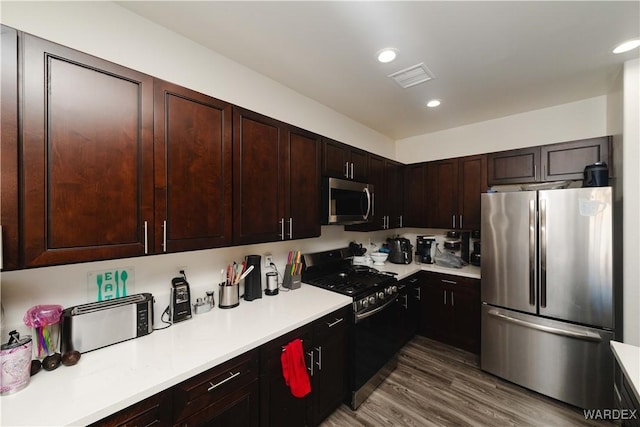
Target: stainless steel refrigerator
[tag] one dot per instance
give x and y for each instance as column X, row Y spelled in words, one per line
column 547, row 292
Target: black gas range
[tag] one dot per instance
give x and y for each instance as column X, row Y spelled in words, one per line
column 375, row 319
column 332, row 270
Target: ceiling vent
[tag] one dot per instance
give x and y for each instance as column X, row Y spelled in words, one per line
column 412, row 76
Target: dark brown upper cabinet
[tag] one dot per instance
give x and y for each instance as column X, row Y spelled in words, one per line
column 87, row 157
column 193, row 170
column 276, row 180
column 303, row 184
column 454, row 192
column 343, row 161
column 416, row 201
column 566, row 161
column 563, row 161
column 9, row 248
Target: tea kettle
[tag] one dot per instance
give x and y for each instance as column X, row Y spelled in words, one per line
column 400, row 250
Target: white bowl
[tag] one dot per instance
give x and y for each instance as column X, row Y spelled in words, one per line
column 379, row 258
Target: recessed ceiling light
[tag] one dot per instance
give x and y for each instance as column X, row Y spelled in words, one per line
column 627, row 46
column 433, row 103
column 387, row 55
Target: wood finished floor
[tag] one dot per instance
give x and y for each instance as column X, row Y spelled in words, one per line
column 438, row 385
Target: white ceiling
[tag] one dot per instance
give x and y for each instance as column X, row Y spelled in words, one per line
column 490, row 59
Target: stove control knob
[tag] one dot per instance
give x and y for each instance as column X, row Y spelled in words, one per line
column 380, row 295
column 364, row 303
column 388, row 290
column 372, row 300
column 394, row 289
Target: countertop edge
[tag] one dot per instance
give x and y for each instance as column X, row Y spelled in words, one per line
column 628, row 357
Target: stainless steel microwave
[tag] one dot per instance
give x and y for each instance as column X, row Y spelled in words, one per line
column 346, row 202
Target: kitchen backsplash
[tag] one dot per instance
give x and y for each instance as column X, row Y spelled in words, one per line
column 67, row 285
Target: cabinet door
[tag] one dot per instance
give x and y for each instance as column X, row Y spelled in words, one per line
column 514, row 166
column 566, row 161
column 304, row 184
column 87, row 157
column 259, row 165
column 394, row 193
column 156, row 410
column 330, row 371
column 473, row 182
column 278, row 407
column 192, row 170
column 415, row 195
column 434, row 311
column 443, row 185
column 335, row 159
column 465, row 304
column 9, row 256
column 358, row 167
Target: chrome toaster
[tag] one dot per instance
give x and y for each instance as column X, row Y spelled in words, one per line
column 95, row 325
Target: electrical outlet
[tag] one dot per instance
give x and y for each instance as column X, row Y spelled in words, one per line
column 268, row 259
column 181, row 268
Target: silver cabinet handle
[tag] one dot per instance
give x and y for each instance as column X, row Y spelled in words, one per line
column 401, row 221
column 319, row 362
column 310, row 368
column 453, row 220
column 346, row 169
column 164, row 235
column 146, row 239
column 532, row 252
column 586, row 335
column 332, row 324
column 1, row 252
column 461, row 221
column 445, row 297
column 406, row 301
column 543, row 253
column 351, row 170
column 291, row 228
column 229, row 378
column 451, row 282
column 281, row 222
column 418, row 296
column 453, row 301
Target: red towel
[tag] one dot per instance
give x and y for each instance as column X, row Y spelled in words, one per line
column 294, row 369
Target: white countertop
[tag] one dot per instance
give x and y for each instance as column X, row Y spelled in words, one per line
column 110, row 379
column 405, row 270
column 628, row 357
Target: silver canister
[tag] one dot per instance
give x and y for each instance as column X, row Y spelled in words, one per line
column 272, row 283
column 15, row 363
column 228, row 295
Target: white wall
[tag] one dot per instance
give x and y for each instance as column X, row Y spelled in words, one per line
column 111, row 32
column 631, row 179
column 567, row 122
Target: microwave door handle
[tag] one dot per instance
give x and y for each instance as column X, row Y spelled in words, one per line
column 366, row 191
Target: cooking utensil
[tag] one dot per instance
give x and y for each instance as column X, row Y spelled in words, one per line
column 124, row 276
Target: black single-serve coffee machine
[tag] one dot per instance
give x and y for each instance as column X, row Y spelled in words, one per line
column 424, row 249
column 253, row 282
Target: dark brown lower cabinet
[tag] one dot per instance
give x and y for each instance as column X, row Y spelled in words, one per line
column 155, row 410
column 325, row 347
column 450, row 310
column 224, row 395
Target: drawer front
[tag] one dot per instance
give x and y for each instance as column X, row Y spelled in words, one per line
column 332, row 323
column 450, row 279
column 154, row 410
column 204, row 389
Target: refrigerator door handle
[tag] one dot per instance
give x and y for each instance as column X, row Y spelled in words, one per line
column 587, row 336
column 532, row 252
column 543, row 253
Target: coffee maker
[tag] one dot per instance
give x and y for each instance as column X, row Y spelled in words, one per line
column 424, row 248
column 253, row 282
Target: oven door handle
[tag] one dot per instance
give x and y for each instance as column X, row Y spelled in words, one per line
column 360, row 317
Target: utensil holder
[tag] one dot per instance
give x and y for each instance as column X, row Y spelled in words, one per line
column 291, row 281
column 228, row 295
